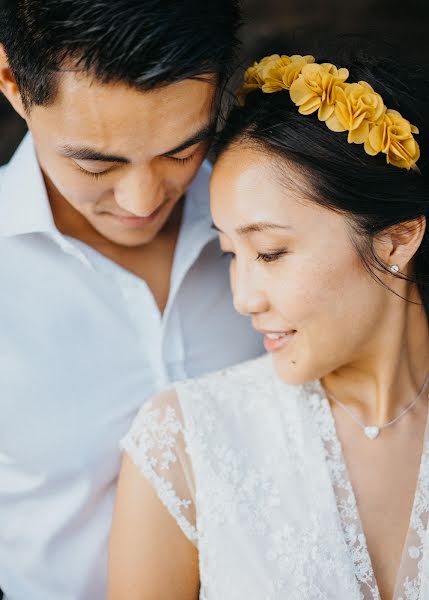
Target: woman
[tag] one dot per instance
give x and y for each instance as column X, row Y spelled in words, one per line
column 305, row 474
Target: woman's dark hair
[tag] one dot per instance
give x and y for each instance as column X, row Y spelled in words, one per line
column 341, row 176
column 143, row 43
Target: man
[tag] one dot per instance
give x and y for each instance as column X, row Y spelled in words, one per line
column 112, row 282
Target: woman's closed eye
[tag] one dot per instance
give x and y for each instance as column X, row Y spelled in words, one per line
column 266, row 257
column 270, row 256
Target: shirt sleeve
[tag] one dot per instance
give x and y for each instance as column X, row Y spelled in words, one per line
column 156, row 443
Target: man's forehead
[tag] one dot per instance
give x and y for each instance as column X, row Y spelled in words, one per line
column 72, row 82
column 116, row 120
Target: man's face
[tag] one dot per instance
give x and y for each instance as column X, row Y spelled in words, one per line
column 117, row 158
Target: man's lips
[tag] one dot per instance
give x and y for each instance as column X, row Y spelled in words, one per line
column 134, row 221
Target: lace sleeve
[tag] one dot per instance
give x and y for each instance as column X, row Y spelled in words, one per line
column 156, row 444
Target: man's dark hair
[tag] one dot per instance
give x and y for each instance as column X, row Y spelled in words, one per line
column 143, row 43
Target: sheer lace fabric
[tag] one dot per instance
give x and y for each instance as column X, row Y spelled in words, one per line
column 157, row 446
column 252, row 471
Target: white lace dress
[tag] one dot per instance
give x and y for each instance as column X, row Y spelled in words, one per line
column 252, row 471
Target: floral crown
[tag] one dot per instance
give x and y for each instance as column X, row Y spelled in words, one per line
column 352, row 107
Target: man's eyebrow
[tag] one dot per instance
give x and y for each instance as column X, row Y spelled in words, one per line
column 203, row 134
column 87, row 153
column 255, row 227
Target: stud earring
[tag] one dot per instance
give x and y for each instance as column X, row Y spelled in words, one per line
column 394, row 268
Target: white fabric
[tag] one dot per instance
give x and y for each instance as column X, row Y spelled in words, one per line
column 82, row 346
column 260, row 465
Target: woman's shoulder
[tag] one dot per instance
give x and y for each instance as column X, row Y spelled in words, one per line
column 222, row 396
column 244, row 377
column 241, row 414
column 249, row 386
column 234, row 398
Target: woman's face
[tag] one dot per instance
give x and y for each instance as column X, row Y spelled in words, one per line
column 294, row 268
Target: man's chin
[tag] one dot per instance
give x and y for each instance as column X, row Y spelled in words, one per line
column 130, row 233
column 130, row 239
column 134, row 231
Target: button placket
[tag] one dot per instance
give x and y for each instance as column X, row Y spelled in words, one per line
column 147, row 319
column 173, row 346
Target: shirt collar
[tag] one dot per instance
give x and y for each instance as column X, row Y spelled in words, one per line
column 24, row 203
column 196, row 215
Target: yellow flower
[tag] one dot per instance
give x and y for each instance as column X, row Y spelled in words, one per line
column 316, row 87
column 272, row 60
column 273, row 73
column 281, row 73
column 252, row 81
column 394, row 137
column 357, row 107
column 352, row 107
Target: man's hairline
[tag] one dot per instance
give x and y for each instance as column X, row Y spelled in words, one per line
column 209, row 78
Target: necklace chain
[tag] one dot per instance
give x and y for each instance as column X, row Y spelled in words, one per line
column 372, row 431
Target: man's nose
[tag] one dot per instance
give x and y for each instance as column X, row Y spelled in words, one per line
column 140, row 192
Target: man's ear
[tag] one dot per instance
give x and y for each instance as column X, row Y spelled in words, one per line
column 399, row 243
column 8, row 84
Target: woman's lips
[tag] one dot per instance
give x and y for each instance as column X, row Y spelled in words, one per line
column 275, row 341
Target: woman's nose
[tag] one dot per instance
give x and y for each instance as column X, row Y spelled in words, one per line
column 248, row 294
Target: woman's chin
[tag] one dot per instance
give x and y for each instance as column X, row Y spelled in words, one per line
column 293, row 371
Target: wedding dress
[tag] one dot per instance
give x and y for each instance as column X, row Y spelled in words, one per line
column 252, row 471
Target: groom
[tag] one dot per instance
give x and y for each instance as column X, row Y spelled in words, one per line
column 112, row 282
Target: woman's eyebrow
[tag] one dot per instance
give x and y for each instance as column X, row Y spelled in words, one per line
column 260, row 226
column 255, row 227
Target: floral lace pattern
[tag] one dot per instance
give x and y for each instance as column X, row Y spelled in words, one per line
column 298, row 553
column 412, row 580
column 252, row 471
column 345, row 499
column 155, row 443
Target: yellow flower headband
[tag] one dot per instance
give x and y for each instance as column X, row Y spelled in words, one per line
column 352, row 107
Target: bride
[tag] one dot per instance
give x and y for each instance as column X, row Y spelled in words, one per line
column 302, row 475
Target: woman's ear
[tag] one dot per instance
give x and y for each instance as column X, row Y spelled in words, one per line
column 8, row 84
column 398, row 244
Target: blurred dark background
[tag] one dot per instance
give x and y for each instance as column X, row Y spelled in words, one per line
column 398, row 27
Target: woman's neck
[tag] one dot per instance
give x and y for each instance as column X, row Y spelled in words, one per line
column 391, row 370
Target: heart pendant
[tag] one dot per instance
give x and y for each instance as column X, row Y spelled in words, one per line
column 372, row 432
